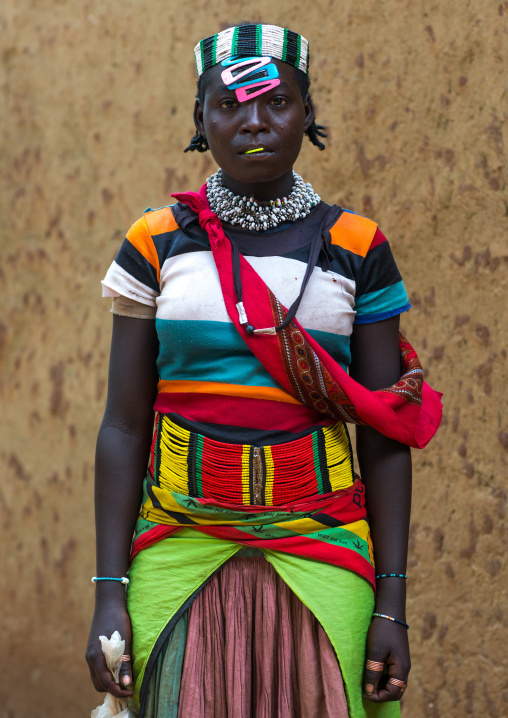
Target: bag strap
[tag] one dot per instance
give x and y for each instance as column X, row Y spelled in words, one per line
column 317, row 246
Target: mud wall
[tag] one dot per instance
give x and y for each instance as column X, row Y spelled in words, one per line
column 97, row 100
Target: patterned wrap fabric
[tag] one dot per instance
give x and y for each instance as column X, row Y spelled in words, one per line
column 332, row 527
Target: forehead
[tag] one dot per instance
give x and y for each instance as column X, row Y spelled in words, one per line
column 214, row 82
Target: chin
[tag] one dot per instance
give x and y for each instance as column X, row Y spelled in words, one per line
column 256, row 173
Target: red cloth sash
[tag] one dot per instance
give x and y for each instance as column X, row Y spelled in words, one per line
column 409, row 411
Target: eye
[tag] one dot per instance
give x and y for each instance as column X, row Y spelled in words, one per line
column 228, row 104
column 278, row 101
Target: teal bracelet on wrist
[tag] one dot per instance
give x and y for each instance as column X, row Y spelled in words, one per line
column 124, row 579
column 391, row 575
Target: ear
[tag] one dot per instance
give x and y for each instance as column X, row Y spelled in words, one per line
column 198, row 118
column 310, row 112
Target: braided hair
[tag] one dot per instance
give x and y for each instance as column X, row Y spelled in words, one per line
column 314, row 132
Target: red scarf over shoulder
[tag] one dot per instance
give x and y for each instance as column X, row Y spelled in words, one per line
column 409, row 411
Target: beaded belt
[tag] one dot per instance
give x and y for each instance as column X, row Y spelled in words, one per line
column 192, row 464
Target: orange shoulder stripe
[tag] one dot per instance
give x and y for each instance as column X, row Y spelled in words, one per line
column 160, row 221
column 353, row 233
column 139, row 236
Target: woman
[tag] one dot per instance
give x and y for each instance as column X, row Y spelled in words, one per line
column 252, row 574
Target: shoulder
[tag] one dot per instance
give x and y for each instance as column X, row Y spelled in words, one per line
column 152, row 223
column 355, row 233
column 159, row 221
column 148, row 233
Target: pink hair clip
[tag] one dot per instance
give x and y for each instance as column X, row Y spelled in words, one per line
column 264, row 86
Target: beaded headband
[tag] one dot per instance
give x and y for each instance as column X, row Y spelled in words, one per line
column 253, row 41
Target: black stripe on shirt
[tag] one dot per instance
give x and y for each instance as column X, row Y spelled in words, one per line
column 172, row 244
column 379, row 270
column 132, row 261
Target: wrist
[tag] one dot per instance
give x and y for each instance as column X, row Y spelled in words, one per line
column 395, row 587
column 392, row 619
column 391, row 598
column 109, row 591
column 392, row 609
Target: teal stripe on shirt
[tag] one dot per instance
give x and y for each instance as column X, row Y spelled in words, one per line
column 207, row 351
column 384, row 300
column 337, row 346
column 214, row 351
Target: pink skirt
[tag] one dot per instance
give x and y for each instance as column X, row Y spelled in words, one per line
column 251, row 650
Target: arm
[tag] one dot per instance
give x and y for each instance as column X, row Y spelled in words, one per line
column 123, row 448
column 385, row 466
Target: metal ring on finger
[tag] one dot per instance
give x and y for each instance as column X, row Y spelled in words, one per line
column 125, row 658
column 374, row 666
column 398, row 683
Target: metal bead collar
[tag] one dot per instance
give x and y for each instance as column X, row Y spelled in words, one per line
column 254, row 214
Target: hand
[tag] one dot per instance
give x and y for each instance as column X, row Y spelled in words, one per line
column 387, row 643
column 109, row 616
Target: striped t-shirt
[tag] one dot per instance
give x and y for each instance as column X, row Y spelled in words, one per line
column 209, row 380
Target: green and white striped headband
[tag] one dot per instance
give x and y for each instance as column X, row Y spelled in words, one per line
column 253, row 41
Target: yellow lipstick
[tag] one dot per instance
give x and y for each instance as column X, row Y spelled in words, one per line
column 259, row 149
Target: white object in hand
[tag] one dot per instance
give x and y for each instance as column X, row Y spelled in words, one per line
column 113, row 649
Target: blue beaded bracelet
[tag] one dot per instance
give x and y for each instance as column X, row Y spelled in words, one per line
column 391, row 575
column 110, row 578
column 390, row 618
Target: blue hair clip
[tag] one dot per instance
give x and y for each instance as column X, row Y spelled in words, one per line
column 260, row 72
column 268, row 72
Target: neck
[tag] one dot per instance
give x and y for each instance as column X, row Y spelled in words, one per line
column 264, row 191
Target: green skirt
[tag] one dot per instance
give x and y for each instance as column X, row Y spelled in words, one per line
column 166, row 577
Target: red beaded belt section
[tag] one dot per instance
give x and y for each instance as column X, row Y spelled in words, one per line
column 190, row 463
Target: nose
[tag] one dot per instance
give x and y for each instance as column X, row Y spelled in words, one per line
column 254, row 118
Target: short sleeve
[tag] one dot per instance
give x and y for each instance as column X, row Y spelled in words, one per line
column 380, row 291
column 135, row 272
column 124, row 307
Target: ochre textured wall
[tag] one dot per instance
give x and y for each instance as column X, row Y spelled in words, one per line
column 96, row 107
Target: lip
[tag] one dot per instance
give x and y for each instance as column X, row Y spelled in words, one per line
column 260, row 151
column 257, row 155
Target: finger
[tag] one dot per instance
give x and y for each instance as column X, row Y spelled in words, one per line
column 373, row 673
column 389, row 692
column 390, row 689
column 109, row 686
column 125, row 675
column 397, row 678
column 105, row 680
column 396, row 687
column 95, row 682
column 385, row 693
column 96, row 665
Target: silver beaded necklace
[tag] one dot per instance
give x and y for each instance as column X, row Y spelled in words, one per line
column 254, row 214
